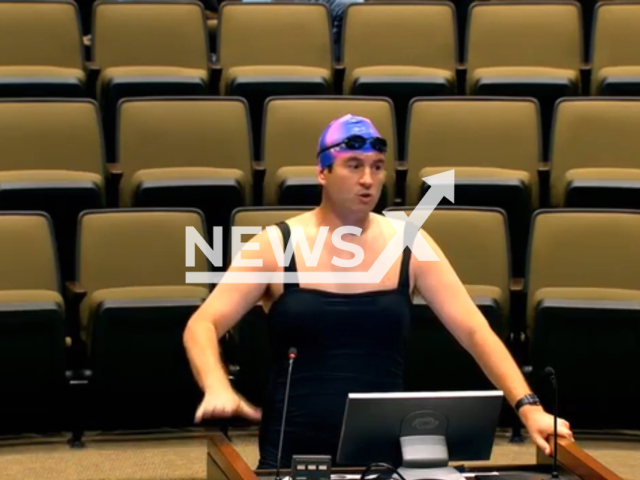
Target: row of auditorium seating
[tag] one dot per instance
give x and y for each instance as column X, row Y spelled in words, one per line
column 197, row 152
column 105, row 351
column 578, row 310
column 395, row 49
column 461, row 10
column 422, row 32
column 119, row 323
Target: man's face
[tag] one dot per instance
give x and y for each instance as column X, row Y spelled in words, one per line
column 355, row 180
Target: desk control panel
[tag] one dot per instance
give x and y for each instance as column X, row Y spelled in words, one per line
column 311, row 467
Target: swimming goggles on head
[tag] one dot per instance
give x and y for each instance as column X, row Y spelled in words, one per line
column 358, row 142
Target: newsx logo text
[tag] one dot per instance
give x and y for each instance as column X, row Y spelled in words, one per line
column 407, row 234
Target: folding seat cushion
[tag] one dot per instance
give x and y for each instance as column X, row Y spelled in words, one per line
column 41, row 49
column 535, row 44
column 526, row 48
column 32, row 326
column 152, row 40
column 595, row 158
column 276, row 43
column 398, row 41
column 583, row 312
column 148, row 48
column 274, row 49
column 615, row 61
column 292, row 129
column 494, row 147
column 475, row 241
column 132, row 267
column 52, row 160
column 119, row 252
column 400, row 50
column 186, row 152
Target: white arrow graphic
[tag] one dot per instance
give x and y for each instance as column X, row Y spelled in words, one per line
column 442, row 186
column 408, row 228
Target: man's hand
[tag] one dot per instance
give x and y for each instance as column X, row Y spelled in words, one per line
column 540, row 426
column 226, row 403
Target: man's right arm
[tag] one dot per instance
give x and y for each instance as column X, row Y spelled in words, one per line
column 224, row 307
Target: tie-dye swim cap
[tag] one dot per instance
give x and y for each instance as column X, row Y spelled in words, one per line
column 339, row 130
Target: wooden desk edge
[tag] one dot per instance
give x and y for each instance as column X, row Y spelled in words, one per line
column 573, row 458
column 227, row 459
column 570, row 456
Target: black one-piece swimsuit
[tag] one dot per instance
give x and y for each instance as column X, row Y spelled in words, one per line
column 346, row 343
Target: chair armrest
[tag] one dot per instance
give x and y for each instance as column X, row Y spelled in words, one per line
column 585, row 79
column 544, row 173
column 74, row 292
column 215, row 74
column 402, row 167
column 461, row 79
column 114, row 177
column 114, row 172
column 338, row 78
column 92, row 71
column 259, row 171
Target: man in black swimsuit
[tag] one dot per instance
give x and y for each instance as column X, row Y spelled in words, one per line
column 349, row 336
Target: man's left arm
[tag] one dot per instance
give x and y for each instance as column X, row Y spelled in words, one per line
column 444, row 292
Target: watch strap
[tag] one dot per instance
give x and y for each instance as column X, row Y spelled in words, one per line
column 529, row 399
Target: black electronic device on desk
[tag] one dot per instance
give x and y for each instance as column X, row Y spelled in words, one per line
column 419, row 433
column 311, row 467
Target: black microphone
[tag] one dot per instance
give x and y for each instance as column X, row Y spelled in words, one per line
column 550, row 372
column 292, row 355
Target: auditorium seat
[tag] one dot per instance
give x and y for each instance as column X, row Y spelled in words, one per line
column 41, row 49
column 595, row 158
column 52, row 160
column 292, row 128
column 32, row 326
column 525, row 48
column 493, row 144
column 274, row 49
column 248, row 347
column 186, row 152
column 148, row 49
column 616, row 52
column 583, row 313
column 475, row 242
column 132, row 268
column 264, row 216
column 400, row 50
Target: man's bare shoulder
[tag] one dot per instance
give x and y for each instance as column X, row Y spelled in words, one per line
column 392, row 226
column 305, row 219
column 271, row 235
column 389, row 226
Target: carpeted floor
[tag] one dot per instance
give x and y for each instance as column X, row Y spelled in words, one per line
column 183, row 456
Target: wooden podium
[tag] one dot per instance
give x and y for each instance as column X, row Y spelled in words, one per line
column 225, row 463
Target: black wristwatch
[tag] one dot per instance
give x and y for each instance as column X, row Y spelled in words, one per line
column 529, row 399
